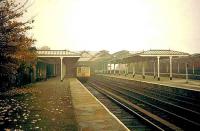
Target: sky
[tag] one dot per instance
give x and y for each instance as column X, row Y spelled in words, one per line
column 116, row 25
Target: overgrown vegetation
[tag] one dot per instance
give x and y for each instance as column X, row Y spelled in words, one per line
column 15, row 44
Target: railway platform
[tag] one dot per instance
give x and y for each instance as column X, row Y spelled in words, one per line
column 53, row 105
column 89, row 112
column 176, row 82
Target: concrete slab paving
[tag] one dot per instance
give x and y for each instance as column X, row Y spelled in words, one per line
column 90, row 114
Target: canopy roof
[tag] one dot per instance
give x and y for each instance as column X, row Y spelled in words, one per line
column 145, row 56
column 162, row 53
column 101, row 56
column 56, row 53
column 153, row 54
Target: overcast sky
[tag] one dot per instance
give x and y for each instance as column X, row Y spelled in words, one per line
column 117, row 24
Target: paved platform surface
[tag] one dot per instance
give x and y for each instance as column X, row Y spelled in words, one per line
column 44, row 105
column 53, row 105
column 90, row 114
column 176, row 82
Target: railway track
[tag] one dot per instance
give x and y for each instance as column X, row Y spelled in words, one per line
column 191, row 99
column 188, row 102
column 168, row 111
column 129, row 117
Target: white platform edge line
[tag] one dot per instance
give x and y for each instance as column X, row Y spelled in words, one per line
column 103, row 106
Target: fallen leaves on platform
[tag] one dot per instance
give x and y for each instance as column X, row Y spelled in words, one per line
column 32, row 108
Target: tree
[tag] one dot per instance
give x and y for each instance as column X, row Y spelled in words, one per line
column 15, row 44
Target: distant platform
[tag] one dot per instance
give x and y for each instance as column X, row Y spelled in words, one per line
column 175, row 82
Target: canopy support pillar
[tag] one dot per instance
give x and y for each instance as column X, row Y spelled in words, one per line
column 158, row 59
column 61, row 68
column 170, row 75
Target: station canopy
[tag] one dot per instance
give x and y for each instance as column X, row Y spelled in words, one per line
column 149, row 55
column 56, row 53
column 101, row 56
column 190, row 59
column 54, row 56
column 85, row 56
column 120, row 55
column 163, row 53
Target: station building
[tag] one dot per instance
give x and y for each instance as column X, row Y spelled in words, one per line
column 158, row 63
column 51, row 63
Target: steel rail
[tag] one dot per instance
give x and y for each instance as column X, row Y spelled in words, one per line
column 163, row 122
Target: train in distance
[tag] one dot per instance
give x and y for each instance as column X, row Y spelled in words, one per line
column 83, row 73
